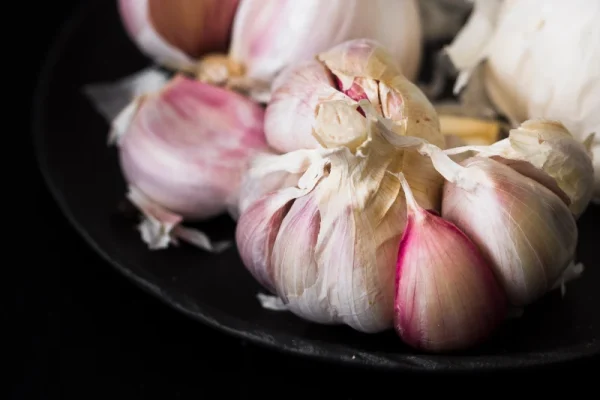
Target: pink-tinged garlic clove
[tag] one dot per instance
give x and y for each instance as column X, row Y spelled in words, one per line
column 256, row 232
column 525, row 230
column 187, row 146
column 447, row 297
column 295, row 268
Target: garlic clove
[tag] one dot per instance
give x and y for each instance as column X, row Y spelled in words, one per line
column 260, row 221
column 338, row 124
column 447, row 297
column 160, row 227
column 177, row 32
column 523, row 228
column 295, row 267
column 545, row 151
column 291, row 113
column 255, row 235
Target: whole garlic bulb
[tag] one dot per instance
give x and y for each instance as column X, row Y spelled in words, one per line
column 541, row 59
column 177, row 32
column 183, row 149
column 327, row 246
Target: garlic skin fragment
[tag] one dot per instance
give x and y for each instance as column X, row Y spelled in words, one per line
column 269, row 36
column 540, row 59
column 447, row 297
column 176, row 33
column 523, row 228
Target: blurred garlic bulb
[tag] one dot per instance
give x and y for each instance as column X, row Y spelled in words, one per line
column 447, row 297
column 183, row 150
column 176, row 33
column 269, row 36
column 525, row 230
column 327, row 245
column 546, row 152
column 541, row 59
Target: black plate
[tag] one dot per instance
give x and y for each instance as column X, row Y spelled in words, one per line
column 83, row 175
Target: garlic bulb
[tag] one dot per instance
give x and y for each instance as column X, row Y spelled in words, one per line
column 447, row 297
column 351, row 71
column 176, row 33
column 269, row 36
column 541, row 59
column 525, row 230
column 183, row 149
column 327, row 246
column 309, row 108
column 546, row 152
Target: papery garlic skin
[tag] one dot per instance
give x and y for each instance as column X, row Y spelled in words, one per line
column 269, row 36
column 447, row 297
column 187, row 146
column 541, row 60
column 524, row 229
column 176, row 32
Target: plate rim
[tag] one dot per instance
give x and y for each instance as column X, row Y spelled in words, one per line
column 274, row 340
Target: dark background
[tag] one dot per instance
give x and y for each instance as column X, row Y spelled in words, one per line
column 83, row 331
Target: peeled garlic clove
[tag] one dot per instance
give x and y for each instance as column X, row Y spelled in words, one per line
column 447, row 297
column 267, row 37
column 176, row 32
column 523, row 228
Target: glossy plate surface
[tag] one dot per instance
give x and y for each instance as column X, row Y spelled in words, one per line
column 83, row 175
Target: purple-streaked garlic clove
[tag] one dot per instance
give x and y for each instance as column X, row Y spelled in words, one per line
column 447, row 297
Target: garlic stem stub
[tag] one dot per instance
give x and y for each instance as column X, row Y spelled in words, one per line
column 176, row 33
column 447, row 297
column 525, row 230
column 537, row 60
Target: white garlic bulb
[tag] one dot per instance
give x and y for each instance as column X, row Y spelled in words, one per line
column 541, row 59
